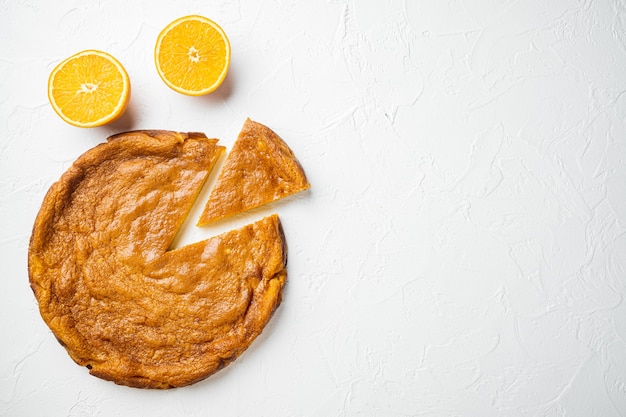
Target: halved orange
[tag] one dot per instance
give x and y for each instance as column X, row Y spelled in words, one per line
column 192, row 55
column 90, row 88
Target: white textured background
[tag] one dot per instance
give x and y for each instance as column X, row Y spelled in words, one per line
column 463, row 249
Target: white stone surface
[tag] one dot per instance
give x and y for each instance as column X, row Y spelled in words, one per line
column 462, row 251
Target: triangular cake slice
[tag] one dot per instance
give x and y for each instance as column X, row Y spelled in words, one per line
column 260, row 168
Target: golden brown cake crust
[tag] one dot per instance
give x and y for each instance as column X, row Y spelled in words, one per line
column 116, row 298
column 260, row 168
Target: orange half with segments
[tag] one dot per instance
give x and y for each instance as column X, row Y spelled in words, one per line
column 192, row 55
column 88, row 89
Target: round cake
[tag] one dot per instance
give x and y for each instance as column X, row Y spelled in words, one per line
column 124, row 305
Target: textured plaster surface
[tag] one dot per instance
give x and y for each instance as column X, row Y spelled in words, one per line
column 462, row 251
